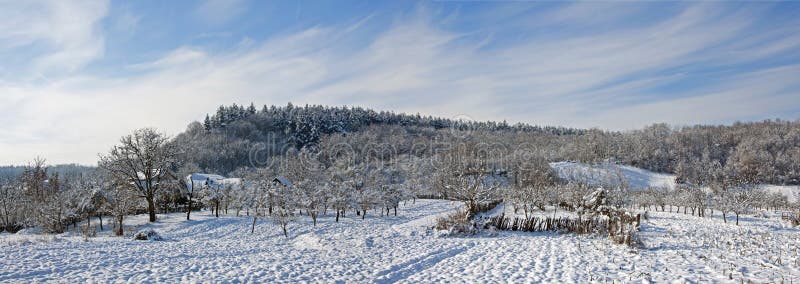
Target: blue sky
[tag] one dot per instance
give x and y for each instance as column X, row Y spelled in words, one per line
column 76, row 75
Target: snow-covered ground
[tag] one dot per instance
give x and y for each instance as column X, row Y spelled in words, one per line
column 792, row 192
column 637, row 178
column 642, row 179
column 401, row 249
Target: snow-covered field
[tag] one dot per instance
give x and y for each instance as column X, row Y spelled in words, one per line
column 642, row 179
column 637, row 178
column 401, row 249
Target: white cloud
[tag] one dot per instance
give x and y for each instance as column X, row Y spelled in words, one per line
column 413, row 66
column 66, row 32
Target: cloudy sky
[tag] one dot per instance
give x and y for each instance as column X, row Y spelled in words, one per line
column 76, row 75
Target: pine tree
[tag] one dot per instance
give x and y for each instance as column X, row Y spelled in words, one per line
column 251, row 110
column 207, row 123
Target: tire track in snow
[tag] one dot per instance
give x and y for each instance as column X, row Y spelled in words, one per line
column 409, row 267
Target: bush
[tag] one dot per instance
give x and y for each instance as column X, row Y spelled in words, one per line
column 456, row 224
column 12, row 229
column 147, row 235
column 620, row 226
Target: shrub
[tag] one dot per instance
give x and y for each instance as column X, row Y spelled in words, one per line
column 147, row 235
column 455, row 224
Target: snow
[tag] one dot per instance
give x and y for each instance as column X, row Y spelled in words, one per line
column 792, row 192
column 637, row 178
column 403, row 249
column 642, row 179
column 212, row 180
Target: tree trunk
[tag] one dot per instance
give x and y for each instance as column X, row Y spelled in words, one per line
column 253, row 228
column 101, row 221
column 724, row 217
column 314, row 217
column 120, row 231
column 395, row 211
column 363, row 216
column 151, row 208
column 285, row 234
column 216, row 210
column 189, row 208
column 737, row 219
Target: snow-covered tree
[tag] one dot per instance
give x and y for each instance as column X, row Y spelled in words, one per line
column 120, row 200
column 144, row 159
column 189, row 187
column 10, row 204
column 464, row 171
column 261, row 194
column 283, row 206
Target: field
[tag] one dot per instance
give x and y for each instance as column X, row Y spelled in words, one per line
column 403, row 249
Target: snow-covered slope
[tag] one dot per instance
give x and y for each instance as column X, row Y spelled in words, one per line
column 637, row 178
column 792, row 192
column 641, row 179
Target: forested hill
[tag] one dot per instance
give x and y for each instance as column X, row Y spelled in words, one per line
column 225, row 139
column 761, row 152
column 306, row 124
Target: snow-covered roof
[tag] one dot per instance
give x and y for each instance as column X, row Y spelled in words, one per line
column 212, row 180
column 204, row 177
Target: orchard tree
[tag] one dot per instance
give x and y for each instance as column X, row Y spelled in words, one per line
column 144, row 160
column 119, row 199
column 261, row 190
column 464, row 172
column 188, row 185
column 283, row 206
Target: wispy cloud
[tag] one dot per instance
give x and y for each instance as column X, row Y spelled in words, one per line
column 619, row 78
column 66, row 31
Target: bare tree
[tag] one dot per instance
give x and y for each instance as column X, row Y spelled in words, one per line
column 284, row 206
column 465, row 172
column 188, row 185
column 10, row 197
column 120, row 200
column 144, row 159
column 261, row 184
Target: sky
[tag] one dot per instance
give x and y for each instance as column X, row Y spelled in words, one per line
column 77, row 75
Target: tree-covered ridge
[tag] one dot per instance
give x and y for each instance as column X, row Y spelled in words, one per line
column 305, row 125
column 753, row 152
column 761, row 152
